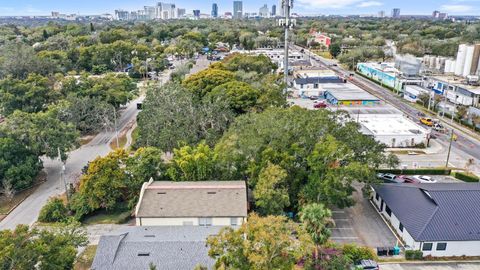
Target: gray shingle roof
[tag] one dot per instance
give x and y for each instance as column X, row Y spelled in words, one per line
column 435, row 212
column 168, row 247
column 194, row 199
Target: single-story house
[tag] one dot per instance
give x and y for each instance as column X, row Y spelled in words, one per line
column 209, row 203
column 441, row 219
column 166, row 247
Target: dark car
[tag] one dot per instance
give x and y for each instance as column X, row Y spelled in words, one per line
column 366, row 265
column 320, row 105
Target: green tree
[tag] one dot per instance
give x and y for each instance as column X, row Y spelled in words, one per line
column 335, row 50
column 193, row 163
column 240, row 96
column 206, row 80
column 261, row 243
column 25, row 248
column 54, row 211
column 18, row 165
column 271, row 196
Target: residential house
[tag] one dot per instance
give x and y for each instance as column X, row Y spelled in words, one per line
column 210, row 203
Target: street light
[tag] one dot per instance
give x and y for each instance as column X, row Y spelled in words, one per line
column 287, row 24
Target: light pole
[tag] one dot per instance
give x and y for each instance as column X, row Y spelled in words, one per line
column 115, row 123
column 62, row 174
column 449, row 149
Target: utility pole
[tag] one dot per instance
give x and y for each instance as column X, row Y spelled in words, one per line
column 449, row 149
column 62, row 175
column 286, row 23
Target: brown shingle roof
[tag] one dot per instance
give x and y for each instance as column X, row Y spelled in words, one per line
column 194, row 199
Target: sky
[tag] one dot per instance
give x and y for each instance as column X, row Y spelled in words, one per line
column 306, row 7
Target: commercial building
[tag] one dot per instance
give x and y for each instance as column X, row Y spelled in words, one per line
column 347, row 94
column 214, row 10
column 321, row 39
column 237, row 9
column 441, row 220
column 468, row 60
column 209, row 203
column 460, row 91
column 413, row 92
column 315, row 86
column 196, row 13
column 393, row 130
column 384, row 73
column 274, row 11
column 264, row 12
column 396, row 13
column 120, row 15
column 166, row 248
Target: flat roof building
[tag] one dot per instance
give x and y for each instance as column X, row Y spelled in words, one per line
column 347, row 94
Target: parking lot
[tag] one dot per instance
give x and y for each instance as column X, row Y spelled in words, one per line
column 361, row 224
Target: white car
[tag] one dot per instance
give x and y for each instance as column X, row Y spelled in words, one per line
column 424, row 179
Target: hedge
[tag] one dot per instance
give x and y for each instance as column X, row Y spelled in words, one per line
column 413, row 255
column 430, row 171
column 466, row 177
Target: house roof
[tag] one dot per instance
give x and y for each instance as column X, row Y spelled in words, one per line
column 349, row 93
column 194, row 199
column 312, row 80
column 167, row 247
column 435, row 212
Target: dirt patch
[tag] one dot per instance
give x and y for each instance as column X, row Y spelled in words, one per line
column 86, row 139
column 122, row 137
column 85, row 260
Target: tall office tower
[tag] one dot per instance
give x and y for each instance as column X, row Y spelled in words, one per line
column 181, row 12
column 436, row 14
column 196, row 13
column 281, row 9
column 396, row 13
column 237, row 9
column 149, row 12
column 274, row 11
column 214, row 10
column 381, row 14
column 263, row 11
column 120, row 15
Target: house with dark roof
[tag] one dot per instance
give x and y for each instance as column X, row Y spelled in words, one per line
column 166, row 247
column 206, row 203
column 439, row 219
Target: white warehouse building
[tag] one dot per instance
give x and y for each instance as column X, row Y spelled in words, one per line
column 441, row 219
column 393, row 130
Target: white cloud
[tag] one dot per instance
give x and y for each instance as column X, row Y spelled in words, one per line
column 456, row 8
column 325, row 4
column 370, row 4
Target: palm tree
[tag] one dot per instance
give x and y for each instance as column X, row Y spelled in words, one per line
column 317, row 220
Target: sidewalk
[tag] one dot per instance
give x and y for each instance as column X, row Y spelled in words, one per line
column 434, row 148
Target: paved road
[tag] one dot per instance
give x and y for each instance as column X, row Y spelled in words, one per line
column 465, row 147
column 27, row 212
column 431, row 266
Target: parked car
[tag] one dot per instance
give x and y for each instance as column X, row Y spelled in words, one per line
column 424, row 179
column 409, row 179
column 366, row 265
column 389, row 178
column 426, row 121
column 320, row 105
column 314, row 97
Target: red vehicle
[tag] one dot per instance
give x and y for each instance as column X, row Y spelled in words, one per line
column 409, row 180
column 320, row 105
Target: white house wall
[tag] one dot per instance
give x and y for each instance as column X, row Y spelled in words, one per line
column 181, row 221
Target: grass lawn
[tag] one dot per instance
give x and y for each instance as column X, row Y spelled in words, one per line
column 122, row 141
column 102, row 217
column 85, row 260
column 325, row 54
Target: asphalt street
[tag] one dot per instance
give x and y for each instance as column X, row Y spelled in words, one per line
column 466, row 146
column 27, row 212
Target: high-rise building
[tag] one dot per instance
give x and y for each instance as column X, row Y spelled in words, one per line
column 263, row 11
column 435, row 14
column 214, row 10
column 396, row 13
column 196, row 13
column 150, row 12
column 181, row 12
column 381, row 14
column 237, row 9
column 274, row 11
column 281, row 9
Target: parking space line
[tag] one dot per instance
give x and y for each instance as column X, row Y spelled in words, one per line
column 340, row 238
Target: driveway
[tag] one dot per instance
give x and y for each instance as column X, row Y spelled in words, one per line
column 361, row 224
column 431, row 266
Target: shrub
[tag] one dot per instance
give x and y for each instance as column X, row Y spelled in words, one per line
column 53, row 211
column 413, row 255
column 466, row 177
column 357, row 253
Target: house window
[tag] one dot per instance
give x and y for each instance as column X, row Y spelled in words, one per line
column 427, row 246
column 377, row 196
column 441, row 246
column 315, row 86
column 389, row 212
column 205, row 221
column 400, row 227
column 234, row 221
